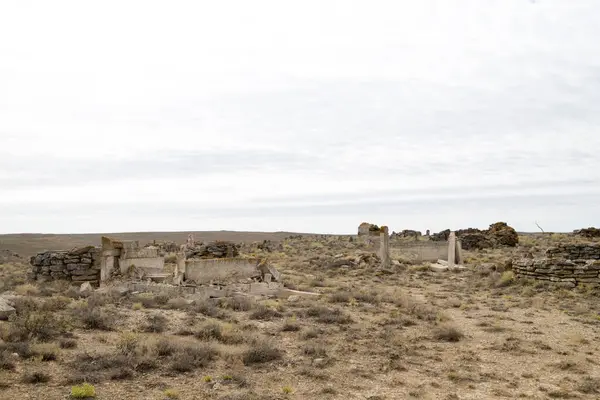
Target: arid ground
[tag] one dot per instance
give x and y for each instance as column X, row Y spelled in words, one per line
column 403, row 333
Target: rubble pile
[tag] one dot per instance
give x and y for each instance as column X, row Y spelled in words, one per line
column 590, row 232
column 499, row 234
column 218, row 249
column 406, row 233
column 164, row 248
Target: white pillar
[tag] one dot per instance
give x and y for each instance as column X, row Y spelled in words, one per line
column 384, row 250
column 451, row 250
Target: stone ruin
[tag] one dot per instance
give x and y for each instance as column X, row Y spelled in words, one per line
column 497, row 235
column 367, row 229
column 565, row 265
column 214, row 269
column 77, row 265
column 589, row 233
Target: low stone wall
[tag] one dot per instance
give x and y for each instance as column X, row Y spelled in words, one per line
column 568, row 265
column 78, row 265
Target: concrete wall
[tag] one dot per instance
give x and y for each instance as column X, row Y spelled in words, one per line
column 421, row 251
column 221, row 269
column 146, row 259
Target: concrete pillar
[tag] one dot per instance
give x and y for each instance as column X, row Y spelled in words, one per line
column 451, row 250
column 384, row 250
column 459, row 255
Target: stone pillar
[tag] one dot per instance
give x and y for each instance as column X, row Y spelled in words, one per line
column 451, row 250
column 384, row 250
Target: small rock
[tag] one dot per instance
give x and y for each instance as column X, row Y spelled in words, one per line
column 293, row 298
column 319, row 362
column 86, row 288
column 6, row 310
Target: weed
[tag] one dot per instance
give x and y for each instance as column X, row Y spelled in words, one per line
column 83, row 391
column 171, row 394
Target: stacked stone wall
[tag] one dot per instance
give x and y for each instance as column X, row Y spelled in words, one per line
column 78, row 265
column 569, row 265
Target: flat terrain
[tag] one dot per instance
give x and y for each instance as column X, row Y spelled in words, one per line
column 405, row 333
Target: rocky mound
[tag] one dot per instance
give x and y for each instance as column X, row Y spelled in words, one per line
column 499, row 234
column 367, row 229
column 590, row 232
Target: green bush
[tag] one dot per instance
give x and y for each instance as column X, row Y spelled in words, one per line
column 83, row 391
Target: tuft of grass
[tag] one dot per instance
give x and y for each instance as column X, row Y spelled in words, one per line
column 171, row 394
column 506, row 279
column 290, row 325
column 137, row 306
column 287, row 390
column 27, row 289
column 448, row 333
column 83, row 391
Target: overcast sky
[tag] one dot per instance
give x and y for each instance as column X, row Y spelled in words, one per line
column 307, row 116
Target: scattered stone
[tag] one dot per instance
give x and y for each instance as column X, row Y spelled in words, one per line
column 293, row 298
column 6, row 309
column 86, row 288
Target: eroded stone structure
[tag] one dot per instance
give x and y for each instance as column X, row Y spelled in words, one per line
column 77, row 265
column 567, row 265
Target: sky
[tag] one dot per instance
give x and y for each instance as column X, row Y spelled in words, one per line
column 307, row 116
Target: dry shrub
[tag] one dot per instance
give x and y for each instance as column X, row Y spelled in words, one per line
column 164, row 347
column 67, row 343
column 448, row 333
column 7, row 362
column 261, row 352
column 340, row 297
column 95, row 318
column 40, row 325
column 290, row 326
column 34, row 377
column 238, row 303
column 506, row 279
column 27, row 290
column 210, row 331
column 45, row 351
column 315, row 350
column 178, row 303
column 148, row 300
column 191, row 357
column 264, row 313
column 328, row 315
column 208, row 308
column 156, row 323
column 311, row 333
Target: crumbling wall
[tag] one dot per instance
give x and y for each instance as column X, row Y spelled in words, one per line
column 568, row 265
column 422, row 251
column 204, row 271
column 77, row 265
